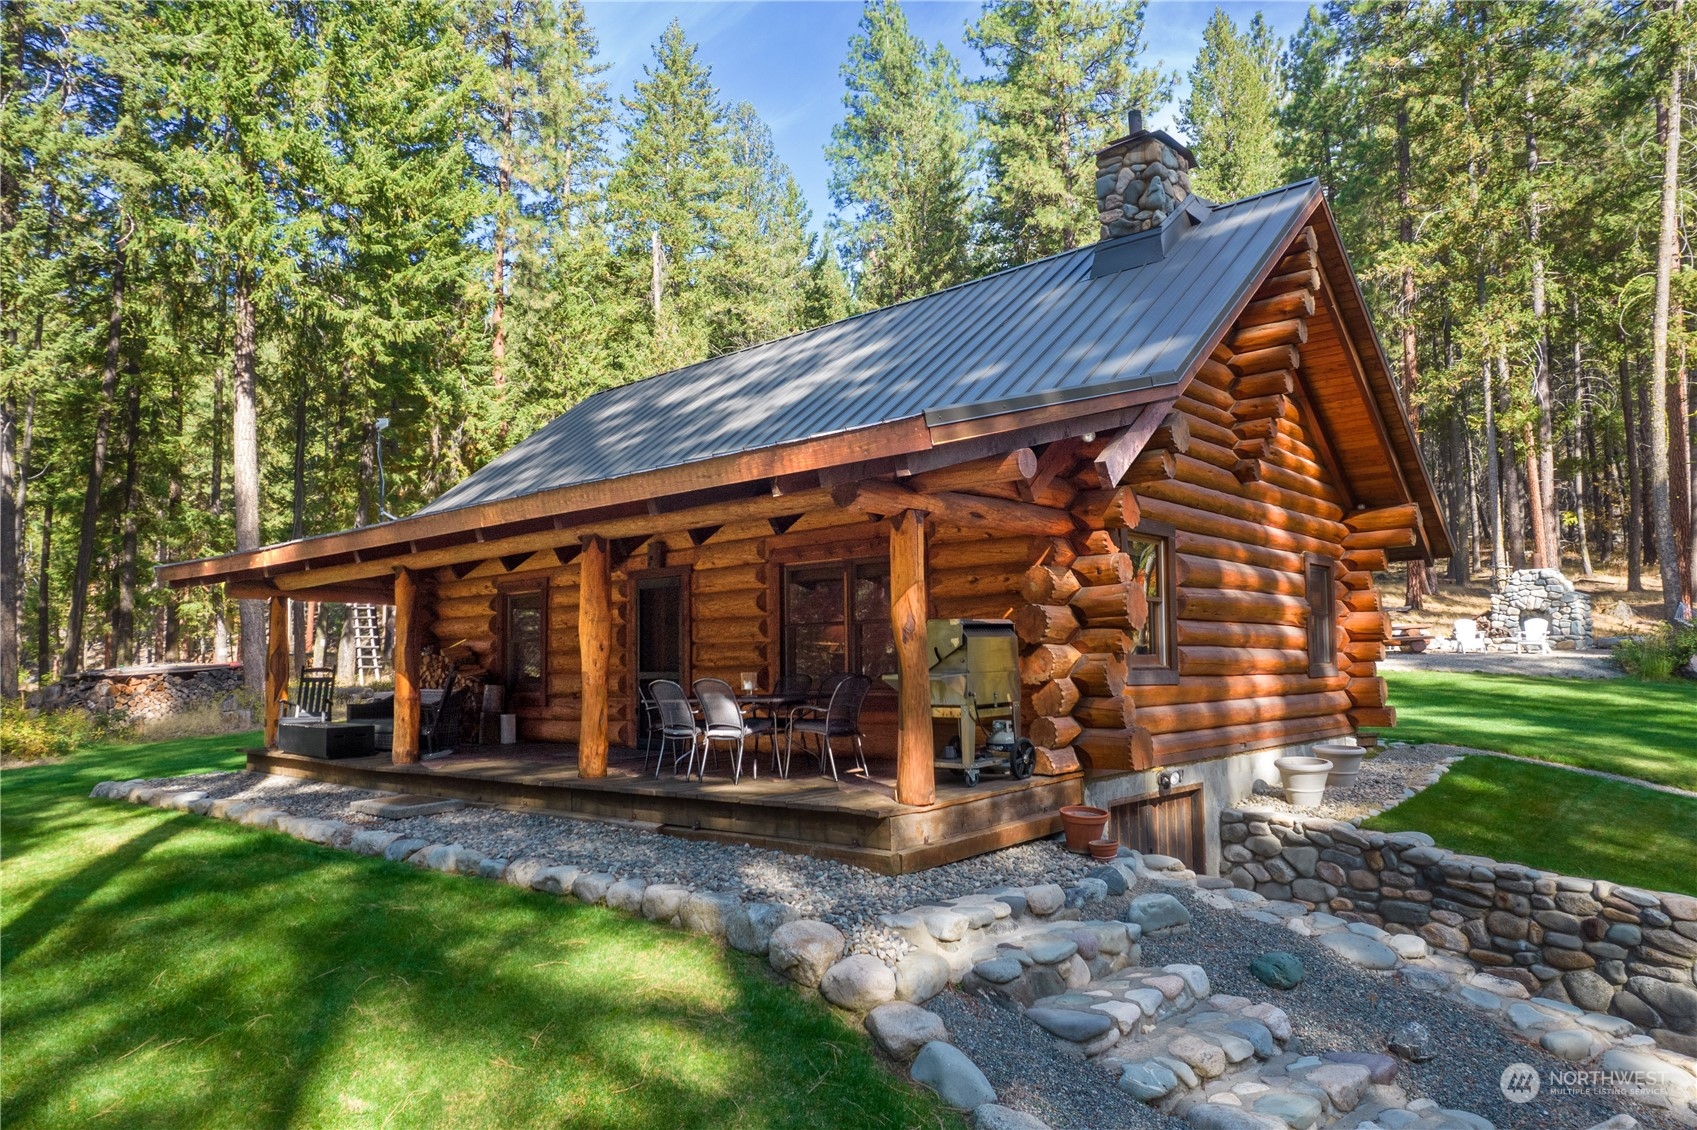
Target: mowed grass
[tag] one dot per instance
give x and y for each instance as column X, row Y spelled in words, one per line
column 167, row 970
column 1627, row 726
column 1557, row 820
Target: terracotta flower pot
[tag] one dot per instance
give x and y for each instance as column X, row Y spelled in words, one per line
column 1104, row 850
column 1082, row 823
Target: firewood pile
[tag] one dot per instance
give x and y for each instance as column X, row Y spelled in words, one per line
column 156, row 691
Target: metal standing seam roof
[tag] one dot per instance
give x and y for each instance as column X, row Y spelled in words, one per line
column 1039, row 331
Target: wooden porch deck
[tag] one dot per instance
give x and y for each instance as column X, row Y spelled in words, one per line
column 856, row 820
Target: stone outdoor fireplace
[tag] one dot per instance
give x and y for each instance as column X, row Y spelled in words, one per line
column 1542, row 592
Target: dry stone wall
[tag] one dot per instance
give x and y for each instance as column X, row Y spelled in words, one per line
column 1588, row 942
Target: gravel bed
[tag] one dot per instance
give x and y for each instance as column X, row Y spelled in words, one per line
column 1382, row 784
column 1594, row 664
column 1341, row 1008
column 1337, row 1008
column 848, row 897
column 1029, row 1073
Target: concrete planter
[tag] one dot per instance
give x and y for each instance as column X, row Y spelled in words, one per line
column 1304, row 778
column 1345, row 759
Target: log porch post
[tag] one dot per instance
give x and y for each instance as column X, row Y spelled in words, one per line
column 276, row 667
column 404, row 751
column 594, row 641
column 916, row 774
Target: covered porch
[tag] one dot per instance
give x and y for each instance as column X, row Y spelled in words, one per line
column 856, row 820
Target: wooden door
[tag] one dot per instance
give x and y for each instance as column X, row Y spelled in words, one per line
column 1167, row 823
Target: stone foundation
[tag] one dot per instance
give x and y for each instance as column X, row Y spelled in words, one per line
column 1589, row 942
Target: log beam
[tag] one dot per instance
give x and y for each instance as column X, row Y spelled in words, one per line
column 964, row 510
column 594, row 641
column 404, row 750
column 916, row 774
column 276, row 666
column 1017, row 466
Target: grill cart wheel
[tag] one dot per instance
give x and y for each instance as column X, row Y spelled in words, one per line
column 1023, row 760
column 971, row 776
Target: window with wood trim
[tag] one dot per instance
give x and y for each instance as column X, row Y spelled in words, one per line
column 837, row 619
column 524, row 644
column 1319, row 574
column 1153, row 656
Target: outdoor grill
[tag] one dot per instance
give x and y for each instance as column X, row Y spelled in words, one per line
column 975, row 683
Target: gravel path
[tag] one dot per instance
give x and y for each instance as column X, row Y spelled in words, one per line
column 1337, row 1008
column 1382, row 784
column 1593, row 664
column 1341, row 1008
column 847, row 896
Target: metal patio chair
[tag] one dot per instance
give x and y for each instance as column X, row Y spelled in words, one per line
column 792, row 686
column 677, row 724
column 440, row 732
column 723, row 721
column 839, row 718
column 650, row 721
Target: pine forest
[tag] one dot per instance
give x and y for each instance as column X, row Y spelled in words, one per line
column 282, row 267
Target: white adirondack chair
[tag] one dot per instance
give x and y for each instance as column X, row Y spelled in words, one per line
column 1467, row 639
column 1534, row 636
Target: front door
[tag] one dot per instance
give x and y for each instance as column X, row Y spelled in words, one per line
column 660, row 626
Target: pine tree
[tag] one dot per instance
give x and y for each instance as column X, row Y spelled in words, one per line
column 1063, row 74
column 901, row 163
column 758, row 269
column 667, row 196
column 1231, row 112
column 542, row 117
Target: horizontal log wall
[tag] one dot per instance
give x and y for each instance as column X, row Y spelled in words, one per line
column 1244, row 484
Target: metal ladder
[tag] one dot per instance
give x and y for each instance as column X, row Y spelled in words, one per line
column 368, row 641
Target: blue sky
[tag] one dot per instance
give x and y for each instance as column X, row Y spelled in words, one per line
column 784, row 55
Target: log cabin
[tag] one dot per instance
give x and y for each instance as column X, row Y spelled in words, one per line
column 1174, row 459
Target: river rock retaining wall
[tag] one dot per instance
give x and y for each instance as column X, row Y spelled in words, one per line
column 1588, row 942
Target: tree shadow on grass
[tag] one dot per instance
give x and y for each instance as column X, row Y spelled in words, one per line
column 212, row 975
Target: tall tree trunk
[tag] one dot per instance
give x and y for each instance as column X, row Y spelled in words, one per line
column 297, row 515
column 1414, row 595
column 1544, row 513
column 1634, row 495
column 1667, row 253
column 1514, row 509
column 1461, row 490
column 11, row 481
column 1679, row 469
column 44, row 599
column 215, row 495
column 73, row 659
column 1493, row 477
column 244, row 459
column 11, row 551
column 124, row 610
column 1543, row 555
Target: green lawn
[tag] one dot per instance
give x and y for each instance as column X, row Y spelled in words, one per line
column 167, row 970
column 1559, row 821
column 1628, row 726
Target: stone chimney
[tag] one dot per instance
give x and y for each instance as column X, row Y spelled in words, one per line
column 1140, row 179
